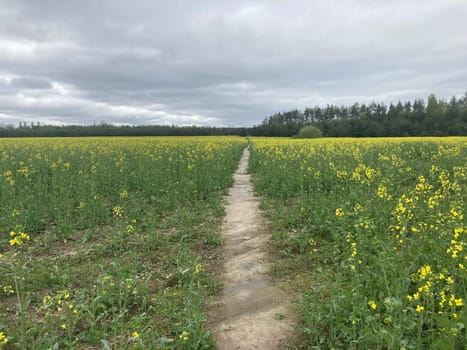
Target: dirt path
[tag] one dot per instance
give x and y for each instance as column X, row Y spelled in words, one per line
column 252, row 312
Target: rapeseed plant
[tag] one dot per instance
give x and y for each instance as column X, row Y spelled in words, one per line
column 97, row 223
column 388, row 214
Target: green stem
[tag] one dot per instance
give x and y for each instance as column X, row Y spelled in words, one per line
column 18, row 295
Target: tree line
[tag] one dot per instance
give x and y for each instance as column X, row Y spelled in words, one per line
column 105, row 129
column 436, row 117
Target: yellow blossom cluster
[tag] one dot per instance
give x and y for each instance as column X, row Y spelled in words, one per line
column 18, row 238
column 3, row 338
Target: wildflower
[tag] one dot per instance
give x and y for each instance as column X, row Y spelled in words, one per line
column 25, row 236
column 3, row 338
column 117, row 212
column 184, row 336
column 382, row 191
column 8, row 290
column 15, row 241
column 419, row 308
column 354, row 249
column 443, row 300
column 314, row 245
column 135, row 335
column 18, row 238
column 424, row 271
column 46, row 299
column 457, row 232
column 199, row 268
column 372, row 304
column 340, row 212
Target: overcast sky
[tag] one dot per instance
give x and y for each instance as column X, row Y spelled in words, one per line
column 216, row 62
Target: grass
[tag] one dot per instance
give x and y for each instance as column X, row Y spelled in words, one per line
column 110, row 243
column 371, row 234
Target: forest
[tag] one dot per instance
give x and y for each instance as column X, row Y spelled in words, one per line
column 436, row 117
column 106, row 129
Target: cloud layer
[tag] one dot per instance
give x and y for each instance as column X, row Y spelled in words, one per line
column 221, row 62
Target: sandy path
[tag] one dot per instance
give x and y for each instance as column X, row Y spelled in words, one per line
column 251, row 313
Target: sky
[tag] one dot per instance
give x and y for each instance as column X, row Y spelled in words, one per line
column 221, row 63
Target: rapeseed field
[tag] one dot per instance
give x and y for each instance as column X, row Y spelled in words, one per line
column 372, row 234
column 110, row 243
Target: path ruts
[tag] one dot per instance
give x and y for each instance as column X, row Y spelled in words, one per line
column 252, row 312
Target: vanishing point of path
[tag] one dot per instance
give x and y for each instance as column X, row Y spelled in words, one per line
column 251, row 313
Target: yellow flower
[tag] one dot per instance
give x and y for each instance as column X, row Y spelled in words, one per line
column 184, row 336
column 15, row 241
column 340, row 212
column 424, row 271
column 117, row 212
column 372, row 304
column 419, row 308
column 135, row 335
column 18, row 238
column 382, row 191
column 3, row 338
column 8, row 290
column 199, row 268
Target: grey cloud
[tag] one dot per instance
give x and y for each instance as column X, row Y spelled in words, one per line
column 221, row 62
column 30, row 83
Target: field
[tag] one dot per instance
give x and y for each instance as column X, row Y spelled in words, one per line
column 109, row 243
column 371, row 233
column 114, row 243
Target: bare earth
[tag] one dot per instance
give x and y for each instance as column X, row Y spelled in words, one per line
column 252, row 312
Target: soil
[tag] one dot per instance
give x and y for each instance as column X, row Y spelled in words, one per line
column 252, row 312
